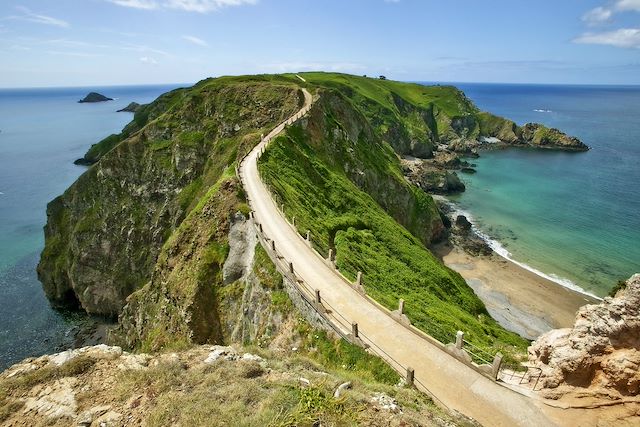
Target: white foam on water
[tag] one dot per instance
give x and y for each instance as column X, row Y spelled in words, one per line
column 499, row 249
column 542, row 111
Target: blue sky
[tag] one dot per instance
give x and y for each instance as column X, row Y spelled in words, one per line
column 102, row 42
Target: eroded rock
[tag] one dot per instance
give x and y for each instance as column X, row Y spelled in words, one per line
column 601, row 352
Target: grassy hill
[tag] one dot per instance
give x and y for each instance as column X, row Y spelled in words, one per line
column 144, row 232
column 341, row 180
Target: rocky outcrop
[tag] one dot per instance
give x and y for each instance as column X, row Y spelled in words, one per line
column 466, row 237
column 95, row 97
column 431, row 177
column 600, row 354
column 104, row 386
column 537, row 135
column 131, row 108
column 104, row 234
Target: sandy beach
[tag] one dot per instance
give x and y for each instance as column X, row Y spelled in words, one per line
column 518, row 299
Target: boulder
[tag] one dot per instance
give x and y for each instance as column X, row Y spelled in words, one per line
column 601, row 352
column 463, row 223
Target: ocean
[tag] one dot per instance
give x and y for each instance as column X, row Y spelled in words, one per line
column 42, row 131
column 572, row 217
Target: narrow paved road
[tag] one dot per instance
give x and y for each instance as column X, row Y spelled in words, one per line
column 456, row 385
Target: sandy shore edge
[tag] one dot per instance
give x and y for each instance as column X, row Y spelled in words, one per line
column 517, row 298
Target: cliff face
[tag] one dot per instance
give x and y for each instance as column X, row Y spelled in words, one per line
column 342, row 136
column 210, row 283
column 600, row 354
column 104, row 234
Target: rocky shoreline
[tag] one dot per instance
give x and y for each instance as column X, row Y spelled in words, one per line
column 517, row 298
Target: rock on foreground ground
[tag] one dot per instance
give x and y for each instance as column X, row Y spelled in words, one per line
column 204, row 385
column 600, row 354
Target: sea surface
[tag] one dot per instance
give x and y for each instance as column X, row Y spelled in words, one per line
column 574, row 217
column 42, row 131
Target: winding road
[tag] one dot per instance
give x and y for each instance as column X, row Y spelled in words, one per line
column 456, row 385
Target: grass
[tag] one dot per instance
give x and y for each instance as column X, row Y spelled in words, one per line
column 448, row 98
column 242, row 394
column 395, row 264
column 234, row 393
column 346, row 358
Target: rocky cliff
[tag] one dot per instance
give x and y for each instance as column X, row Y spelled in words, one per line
column 104, row 234
column 600, row 354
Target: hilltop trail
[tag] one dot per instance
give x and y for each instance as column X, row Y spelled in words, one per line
column 456, row 385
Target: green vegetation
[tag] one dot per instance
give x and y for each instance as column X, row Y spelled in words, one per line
column 385, row 92
column 150, row 177
column 395, row 264
column 242, row 394
column 412, row 118
column 492, row 125
column 350, row 360
column 265, row 271
column 622, row 284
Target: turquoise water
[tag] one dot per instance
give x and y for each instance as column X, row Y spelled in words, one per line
column 42, row 131
column 572, row 216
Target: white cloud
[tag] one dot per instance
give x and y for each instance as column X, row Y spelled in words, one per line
column 623, row 37
column 199, row 6
column 148, row 60
column 29, row 16
column 602, row 14
column 623, row 5
column 136, row 4
column 195, row 40
column 597, row 15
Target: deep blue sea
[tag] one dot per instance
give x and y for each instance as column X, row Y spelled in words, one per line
column 42, row 131
column 574, row 217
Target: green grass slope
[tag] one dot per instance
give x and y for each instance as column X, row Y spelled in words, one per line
column 305, row 174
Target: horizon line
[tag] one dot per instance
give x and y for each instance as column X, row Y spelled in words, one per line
column 431, row 82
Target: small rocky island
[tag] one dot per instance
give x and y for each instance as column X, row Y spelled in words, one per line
column 95, row 97
column 131, row 108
